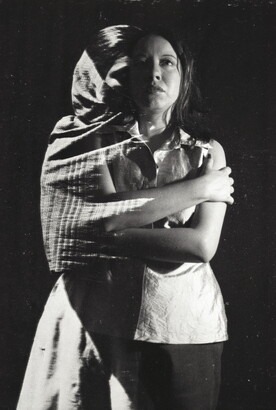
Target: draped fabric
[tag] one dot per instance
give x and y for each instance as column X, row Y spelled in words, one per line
column 100, row 82
column 72, row 165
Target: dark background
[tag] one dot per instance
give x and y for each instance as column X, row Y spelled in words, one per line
column 234, row 43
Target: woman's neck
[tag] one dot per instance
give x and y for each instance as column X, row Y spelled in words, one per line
column 152, row 124
column 155, row 130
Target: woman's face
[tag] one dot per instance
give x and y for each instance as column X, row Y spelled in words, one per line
column 155, row 75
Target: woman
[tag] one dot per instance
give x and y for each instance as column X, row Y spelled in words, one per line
column 132, row 210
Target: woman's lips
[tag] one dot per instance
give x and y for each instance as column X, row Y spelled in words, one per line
column 153, row 89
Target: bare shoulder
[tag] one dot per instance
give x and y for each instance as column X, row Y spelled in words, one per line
column 218, row 154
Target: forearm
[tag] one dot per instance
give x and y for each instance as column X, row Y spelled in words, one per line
column 198, row 243
column 169, row 245
column 144, row 207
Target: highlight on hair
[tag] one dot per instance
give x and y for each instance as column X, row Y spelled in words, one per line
column 105, row 48
column 111, row 43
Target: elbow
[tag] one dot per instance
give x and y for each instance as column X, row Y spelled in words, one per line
column 207, row 250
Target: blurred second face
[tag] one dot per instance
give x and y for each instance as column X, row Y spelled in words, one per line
column 155, row 75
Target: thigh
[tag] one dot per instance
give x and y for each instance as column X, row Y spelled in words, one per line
column 182, row 377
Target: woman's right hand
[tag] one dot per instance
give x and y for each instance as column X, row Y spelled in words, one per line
column 218, row 183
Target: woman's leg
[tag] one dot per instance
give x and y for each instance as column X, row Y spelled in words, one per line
column 182, row 377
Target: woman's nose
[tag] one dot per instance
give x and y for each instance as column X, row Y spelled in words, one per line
column 155, row 72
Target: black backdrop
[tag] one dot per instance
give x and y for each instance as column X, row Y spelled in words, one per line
column 233, row 42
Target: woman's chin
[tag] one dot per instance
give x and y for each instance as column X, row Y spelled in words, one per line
column 154, row 107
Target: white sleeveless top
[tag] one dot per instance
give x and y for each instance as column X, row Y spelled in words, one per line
column 185, row 304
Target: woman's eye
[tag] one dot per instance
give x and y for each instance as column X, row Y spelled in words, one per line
column 166, row 62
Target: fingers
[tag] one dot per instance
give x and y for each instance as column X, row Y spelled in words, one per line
column 221, row 184
column 230, row 200
column 231, row 181
column 226, row 170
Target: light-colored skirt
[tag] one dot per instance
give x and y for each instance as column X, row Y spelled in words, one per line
column 65, row 369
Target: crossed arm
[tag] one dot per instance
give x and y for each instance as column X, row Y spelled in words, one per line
column 210, row 192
